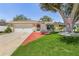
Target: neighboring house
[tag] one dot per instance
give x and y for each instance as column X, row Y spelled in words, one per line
column 2, row 23
column 3, row 26
column 58, row 26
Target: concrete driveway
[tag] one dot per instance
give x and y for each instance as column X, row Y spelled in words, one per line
column 10, row 42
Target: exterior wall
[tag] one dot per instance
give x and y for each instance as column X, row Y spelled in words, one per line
column 33, row 25
column 23, row 25
column 58, row 27
column 43, row 28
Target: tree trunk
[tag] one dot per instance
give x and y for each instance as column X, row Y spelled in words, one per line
column 72, row 15
column 70, row 24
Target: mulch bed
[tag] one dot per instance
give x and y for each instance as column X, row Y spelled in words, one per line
column 32, row 37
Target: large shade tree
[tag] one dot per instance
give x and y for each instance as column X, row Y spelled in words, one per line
column 20, row 17
column 66, row 11
column 53, row 7
column 46, row 18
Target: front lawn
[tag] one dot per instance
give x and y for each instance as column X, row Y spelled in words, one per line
column 50, row 45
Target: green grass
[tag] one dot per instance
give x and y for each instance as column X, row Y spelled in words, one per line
column 50, row 45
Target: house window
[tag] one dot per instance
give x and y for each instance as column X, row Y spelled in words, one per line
column 48, row 27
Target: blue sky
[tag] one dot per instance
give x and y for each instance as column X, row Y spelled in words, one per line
column 30, row 10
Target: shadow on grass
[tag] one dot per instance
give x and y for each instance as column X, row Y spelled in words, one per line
column 52, row 33
column 70, row 39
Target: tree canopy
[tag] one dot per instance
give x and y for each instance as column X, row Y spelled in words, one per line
column 46, row 18
column 50, row 6
column 20, row 17
column 66, row 10
column 63, row 8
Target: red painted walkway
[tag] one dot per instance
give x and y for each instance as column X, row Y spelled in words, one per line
column 32, row 37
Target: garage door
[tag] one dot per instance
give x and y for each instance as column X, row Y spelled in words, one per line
column 23, row 30
column 23, row 27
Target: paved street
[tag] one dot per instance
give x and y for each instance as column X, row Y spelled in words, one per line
column 9, row 42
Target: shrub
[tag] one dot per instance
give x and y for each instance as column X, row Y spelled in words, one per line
column 8, row 30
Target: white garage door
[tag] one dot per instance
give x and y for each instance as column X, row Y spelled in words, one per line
column 23, row 30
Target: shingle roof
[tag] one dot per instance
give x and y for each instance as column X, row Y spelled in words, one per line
column 30, row 21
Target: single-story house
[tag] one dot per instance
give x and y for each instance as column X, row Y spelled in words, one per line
column 29, row 25
column 3, row 25
column 59, row 26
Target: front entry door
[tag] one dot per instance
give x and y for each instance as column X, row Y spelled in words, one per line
column 38, row 27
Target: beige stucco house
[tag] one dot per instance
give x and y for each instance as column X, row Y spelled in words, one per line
column 30, row 25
